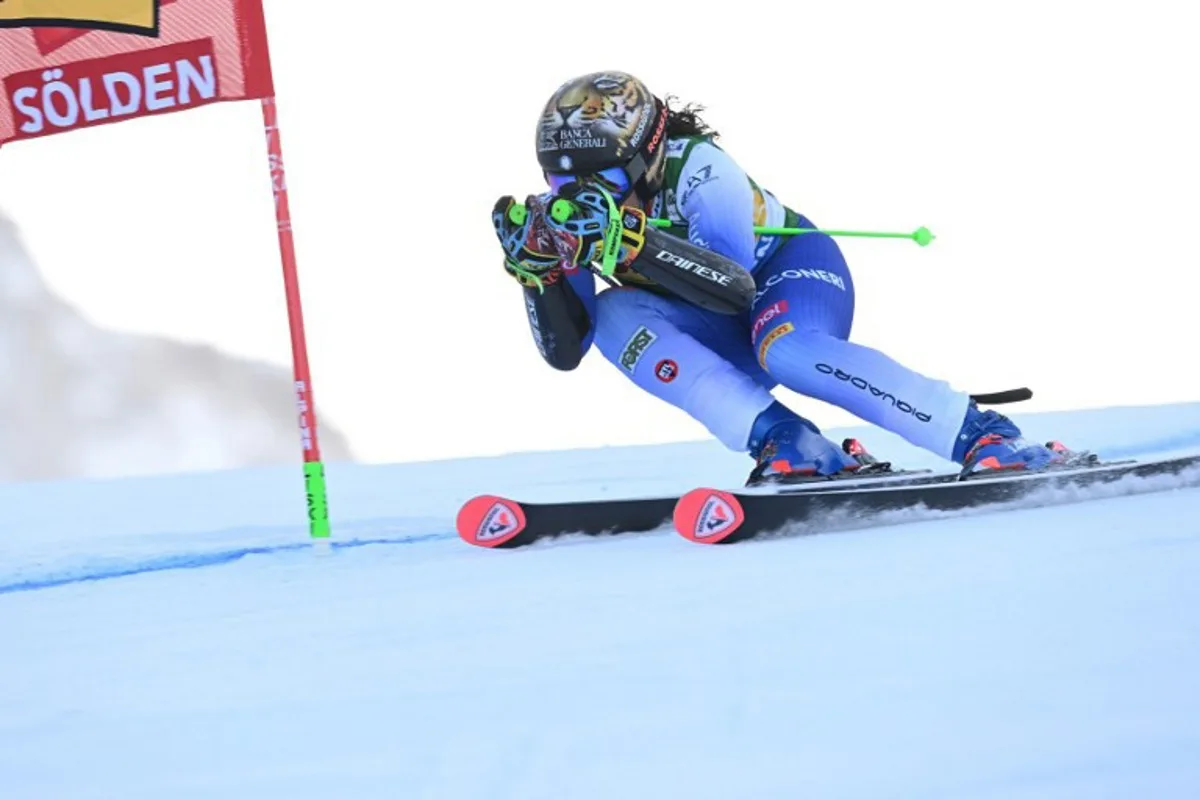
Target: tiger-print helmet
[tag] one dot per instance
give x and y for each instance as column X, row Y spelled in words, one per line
column 608, row 128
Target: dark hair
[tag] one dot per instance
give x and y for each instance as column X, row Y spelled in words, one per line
column 686, row 121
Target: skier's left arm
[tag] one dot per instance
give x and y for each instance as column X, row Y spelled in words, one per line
column 559, row 303
column 714, row 195
column 696, row 274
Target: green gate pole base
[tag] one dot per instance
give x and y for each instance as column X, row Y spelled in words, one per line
column 318, row 503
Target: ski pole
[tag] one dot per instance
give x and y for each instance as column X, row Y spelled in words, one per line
column 921, row 236
column 562, row 209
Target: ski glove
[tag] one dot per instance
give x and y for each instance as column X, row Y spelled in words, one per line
column 530, row 255
column 582, row 221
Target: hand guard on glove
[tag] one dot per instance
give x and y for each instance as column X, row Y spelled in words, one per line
column 580, row 217
column 530, row 254
column 550, row 232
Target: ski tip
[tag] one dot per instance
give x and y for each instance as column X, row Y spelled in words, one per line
column 708, row 516
column 490, row 521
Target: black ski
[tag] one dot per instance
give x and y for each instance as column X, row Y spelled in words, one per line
column 501, row 522
column 713, row 516
column 772, row 502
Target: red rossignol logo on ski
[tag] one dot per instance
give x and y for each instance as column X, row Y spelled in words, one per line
column 490, row 521
column 708, row 516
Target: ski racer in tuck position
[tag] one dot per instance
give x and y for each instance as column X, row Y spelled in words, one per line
column 708, row 315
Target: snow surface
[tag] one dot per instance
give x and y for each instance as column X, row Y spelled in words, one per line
column 177, row 637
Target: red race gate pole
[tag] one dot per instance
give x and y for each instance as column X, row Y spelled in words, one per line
column 314, row 470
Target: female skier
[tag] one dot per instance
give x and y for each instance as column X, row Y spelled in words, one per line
column 706, row 315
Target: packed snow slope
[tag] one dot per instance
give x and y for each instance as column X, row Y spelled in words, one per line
column 176, row 637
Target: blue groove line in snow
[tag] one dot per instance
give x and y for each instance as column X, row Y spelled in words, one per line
column 190, row 561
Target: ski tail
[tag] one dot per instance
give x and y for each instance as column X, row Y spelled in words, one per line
column 1001, row 398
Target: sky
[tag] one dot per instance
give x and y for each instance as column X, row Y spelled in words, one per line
column 1051, row 149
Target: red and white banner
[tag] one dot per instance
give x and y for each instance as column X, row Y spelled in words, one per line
column 71, row 64
column 61, row 79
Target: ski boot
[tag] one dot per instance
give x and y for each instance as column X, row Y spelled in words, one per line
column 786, row 448
column 990, row 441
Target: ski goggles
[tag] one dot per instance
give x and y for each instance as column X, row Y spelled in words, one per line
column 614, row 180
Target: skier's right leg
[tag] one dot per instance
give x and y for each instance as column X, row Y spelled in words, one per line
column 702, row 363
column 697, row 361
